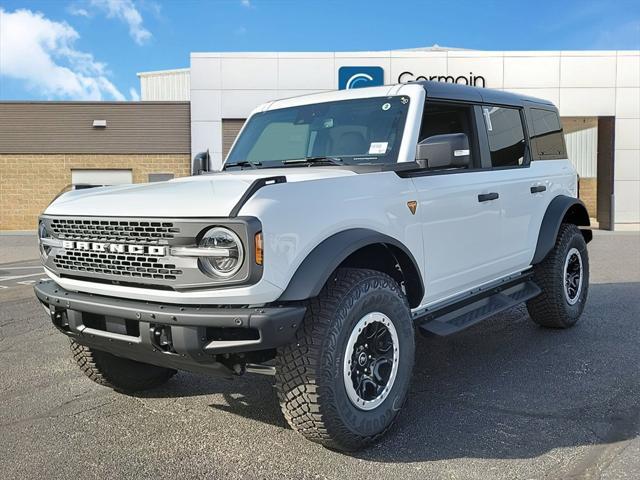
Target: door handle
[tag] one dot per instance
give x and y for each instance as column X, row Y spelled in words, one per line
column 485, row 197
column 538, row 189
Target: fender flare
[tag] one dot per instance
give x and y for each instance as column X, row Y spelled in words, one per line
column 562, row 207
column 326, row 257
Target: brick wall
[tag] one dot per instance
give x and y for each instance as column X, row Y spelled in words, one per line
column 589, row 195
column 29, row 182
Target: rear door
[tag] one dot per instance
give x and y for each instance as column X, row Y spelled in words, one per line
column 523, row 189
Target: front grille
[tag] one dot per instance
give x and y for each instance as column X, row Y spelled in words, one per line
column 139, row 266
column 119, row 231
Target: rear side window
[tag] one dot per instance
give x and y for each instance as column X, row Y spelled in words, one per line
column 506, row 136
column 547, row 135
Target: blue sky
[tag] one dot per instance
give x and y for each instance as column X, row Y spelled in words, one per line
column 92, row 49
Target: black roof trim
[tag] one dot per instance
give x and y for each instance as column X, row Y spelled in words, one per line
column 453, row 91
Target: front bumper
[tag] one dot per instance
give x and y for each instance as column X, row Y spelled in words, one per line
column 183, row 337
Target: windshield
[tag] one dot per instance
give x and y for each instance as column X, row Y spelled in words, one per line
column 359, row 131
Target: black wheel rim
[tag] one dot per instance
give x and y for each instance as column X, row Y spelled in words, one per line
column 371, row 361
column 573, row 275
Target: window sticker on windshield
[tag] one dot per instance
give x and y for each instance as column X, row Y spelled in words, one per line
column 378, row 148
column 386, row 106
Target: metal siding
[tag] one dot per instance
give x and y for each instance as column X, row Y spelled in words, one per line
column 172, row 85
column 66, row 127
column 230, row 130
column 581, row 137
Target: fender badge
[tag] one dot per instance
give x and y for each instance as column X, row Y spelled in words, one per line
column 413, row 205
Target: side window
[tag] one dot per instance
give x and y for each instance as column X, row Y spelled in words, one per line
column 547, row 132
column 506, row 136
column 444, row 119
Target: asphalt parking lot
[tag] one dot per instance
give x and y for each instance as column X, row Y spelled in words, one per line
column 504, row 399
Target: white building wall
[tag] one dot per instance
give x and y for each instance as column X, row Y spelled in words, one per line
column 580, row 83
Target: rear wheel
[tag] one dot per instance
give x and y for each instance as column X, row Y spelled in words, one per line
column 343, row 380
column 563, row 277
column 119, row 373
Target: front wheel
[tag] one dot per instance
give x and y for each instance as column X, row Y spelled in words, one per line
column 344, row 378
column 563, row 277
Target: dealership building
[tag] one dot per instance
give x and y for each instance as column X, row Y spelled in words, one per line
column 205, row 105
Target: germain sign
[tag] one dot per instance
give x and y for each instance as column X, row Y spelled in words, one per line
column 471, row 79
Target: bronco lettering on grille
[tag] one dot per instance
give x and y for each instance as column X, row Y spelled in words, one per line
column 104, row 247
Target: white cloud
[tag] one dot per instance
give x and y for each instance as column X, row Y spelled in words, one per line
column 41, row 53
column 127, row 12
column 246, row 3
column 78, row 11
column 133, row 93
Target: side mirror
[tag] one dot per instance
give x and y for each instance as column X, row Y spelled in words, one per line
column 450, row 150
column 201, row 163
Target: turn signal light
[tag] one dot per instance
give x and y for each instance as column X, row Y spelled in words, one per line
column 259, row 248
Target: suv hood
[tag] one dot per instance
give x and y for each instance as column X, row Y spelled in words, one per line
column 212, row 195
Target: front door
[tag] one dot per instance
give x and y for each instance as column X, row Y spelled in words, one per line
column 462, row 228
column 460, row 209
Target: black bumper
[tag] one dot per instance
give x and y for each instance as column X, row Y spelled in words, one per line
column 176, row 336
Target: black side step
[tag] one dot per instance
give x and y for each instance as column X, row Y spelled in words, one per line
column 447, row 321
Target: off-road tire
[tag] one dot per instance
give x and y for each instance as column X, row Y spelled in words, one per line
column 551, row 308
column 309, row 371
column 118, row 373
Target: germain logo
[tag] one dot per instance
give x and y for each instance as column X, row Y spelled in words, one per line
column 471, row 79
column 359, row 77
column 103, row 247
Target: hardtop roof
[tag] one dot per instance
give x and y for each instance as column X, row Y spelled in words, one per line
column 454, row 91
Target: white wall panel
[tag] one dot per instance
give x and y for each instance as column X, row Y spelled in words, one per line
column 587, row 102
column 587, row 71
column 254, row 73
column 491, row 68
column 418, row 66
column 627, row 201
column 627, row 134
column 627, row 165
column 205, row 73
column 306, row 73
column 628, row 71
column 628, row 103
column 206, row 135
column 205, row 105
column 531, row 72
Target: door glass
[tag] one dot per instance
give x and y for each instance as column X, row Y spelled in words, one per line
column 444, row 118
column 506, row 136
column 548, row 134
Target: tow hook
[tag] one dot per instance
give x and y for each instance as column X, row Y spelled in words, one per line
column 161, row 338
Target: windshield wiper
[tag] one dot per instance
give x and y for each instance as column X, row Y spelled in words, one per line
column 243, row 163
column 314, row 160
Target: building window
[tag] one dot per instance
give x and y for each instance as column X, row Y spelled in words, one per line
column 88, row 178
column 160, row 177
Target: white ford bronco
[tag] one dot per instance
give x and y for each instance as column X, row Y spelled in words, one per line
column 340, row 224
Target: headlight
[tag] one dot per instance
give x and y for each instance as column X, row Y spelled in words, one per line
column 42, row 245
column 227, row 253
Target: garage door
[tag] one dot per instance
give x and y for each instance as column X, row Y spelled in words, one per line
column 230, row 130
